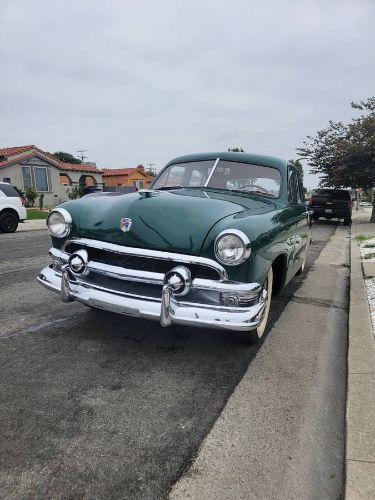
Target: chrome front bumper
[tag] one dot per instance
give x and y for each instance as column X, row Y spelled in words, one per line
column 165, row 308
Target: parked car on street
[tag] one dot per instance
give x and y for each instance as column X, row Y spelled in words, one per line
column 12, row 208
column 331, row 204
column 209, row 243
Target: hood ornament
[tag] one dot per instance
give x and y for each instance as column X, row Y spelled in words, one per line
column 147, row 193
column 125, row 224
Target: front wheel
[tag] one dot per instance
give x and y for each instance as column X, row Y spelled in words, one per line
column 8, row 222
column 255, row 335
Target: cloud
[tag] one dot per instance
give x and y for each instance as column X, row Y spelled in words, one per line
column 149, row 80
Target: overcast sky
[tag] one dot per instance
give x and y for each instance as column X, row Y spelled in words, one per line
column 145, row 81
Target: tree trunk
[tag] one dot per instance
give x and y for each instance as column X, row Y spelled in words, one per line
column 373, row 207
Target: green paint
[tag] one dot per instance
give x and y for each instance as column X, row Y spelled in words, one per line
column 188, row 221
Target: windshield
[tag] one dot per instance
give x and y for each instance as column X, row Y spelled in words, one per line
column 227, row 175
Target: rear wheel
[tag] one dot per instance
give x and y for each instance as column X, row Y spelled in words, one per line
column 347, row 221
column 8, row 222
column 255, row 335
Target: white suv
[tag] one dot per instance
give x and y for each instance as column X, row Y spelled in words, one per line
column 12, row 208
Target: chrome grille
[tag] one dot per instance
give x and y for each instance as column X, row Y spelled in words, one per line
column 141, row 263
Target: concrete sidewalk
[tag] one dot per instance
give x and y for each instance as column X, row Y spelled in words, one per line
column 360, row 417
column 32, row 225
column 291, row 447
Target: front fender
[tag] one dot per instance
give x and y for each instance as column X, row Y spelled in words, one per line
column 269, row 235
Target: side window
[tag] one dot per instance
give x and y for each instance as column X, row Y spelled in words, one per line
column 300, row 193
column 292, row 187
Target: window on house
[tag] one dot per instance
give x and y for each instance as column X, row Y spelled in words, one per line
column 26, row 174
column 41, row 179
column 135, row 184
column 140, row 184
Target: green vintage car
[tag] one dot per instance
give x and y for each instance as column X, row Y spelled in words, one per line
column 209, row 243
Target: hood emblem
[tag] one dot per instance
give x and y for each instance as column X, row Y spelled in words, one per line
column 125, row 224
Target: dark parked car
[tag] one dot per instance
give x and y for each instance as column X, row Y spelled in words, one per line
column 332, row 204
column 206, row 246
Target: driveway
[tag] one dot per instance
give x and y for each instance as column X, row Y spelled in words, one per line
column 97, row 405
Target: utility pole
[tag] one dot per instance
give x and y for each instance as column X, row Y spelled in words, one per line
column 150, row 165
column 81, row 151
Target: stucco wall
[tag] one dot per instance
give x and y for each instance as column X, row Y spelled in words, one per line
column 58, row 193
column 126, row 180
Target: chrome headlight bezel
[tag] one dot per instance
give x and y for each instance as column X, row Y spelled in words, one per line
column 245, row 243
column 67, row 222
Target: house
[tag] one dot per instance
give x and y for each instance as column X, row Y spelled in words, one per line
column 25, row 166
column 136, row 177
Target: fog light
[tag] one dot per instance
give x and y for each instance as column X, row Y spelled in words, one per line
column 178, row 280
column 78, row 262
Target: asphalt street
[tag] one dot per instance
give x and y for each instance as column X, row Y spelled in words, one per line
column 94, row 405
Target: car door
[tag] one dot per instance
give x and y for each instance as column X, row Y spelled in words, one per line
column 300, row 222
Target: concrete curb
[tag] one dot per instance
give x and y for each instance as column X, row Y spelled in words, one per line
column 360, row 412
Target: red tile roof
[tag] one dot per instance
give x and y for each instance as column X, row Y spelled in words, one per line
column 14, row 151
column 119, row 171
column 9, row 154
column 108, row 172
column 79, row 167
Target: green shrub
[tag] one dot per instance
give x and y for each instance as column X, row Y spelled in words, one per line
column 31, row 195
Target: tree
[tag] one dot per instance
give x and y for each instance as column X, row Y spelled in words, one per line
column 31, row 195
column 41, row 201
column 151, row 171
column 236, row 150
column 298, row 165
column 66, row 157
column 344, row 154
column 75, row 192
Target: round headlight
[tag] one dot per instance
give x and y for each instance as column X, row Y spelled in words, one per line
column 59, row 222
column 232, row 247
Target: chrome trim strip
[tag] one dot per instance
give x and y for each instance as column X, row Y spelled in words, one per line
column 212, row 172
column 126, row 274
column 149, row 254
column 248, row 289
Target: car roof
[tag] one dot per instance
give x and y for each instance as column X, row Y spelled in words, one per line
column 269, row 161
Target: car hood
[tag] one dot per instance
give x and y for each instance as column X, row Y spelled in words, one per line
column 174, row 221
